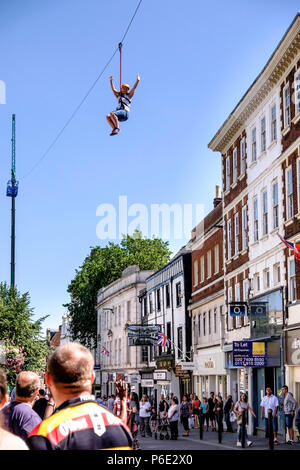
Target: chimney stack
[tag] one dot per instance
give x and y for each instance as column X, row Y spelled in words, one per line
column 218, row 198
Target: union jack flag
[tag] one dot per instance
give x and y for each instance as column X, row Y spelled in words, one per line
column 162, row 339
column 294, row 247
column 104, row 351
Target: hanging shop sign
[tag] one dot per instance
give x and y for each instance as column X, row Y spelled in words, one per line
column 147, row 383
column 249, row 354
column 258, row 309
column 238, row 309
column 142, row 335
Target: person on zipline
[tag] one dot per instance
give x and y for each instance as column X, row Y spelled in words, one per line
column 124, row 97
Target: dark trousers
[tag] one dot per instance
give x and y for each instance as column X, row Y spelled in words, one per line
column 174, row 429
column 228, row 422
column 144, row 423
column 185, row 422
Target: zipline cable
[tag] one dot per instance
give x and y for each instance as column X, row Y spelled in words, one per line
column 84, row 98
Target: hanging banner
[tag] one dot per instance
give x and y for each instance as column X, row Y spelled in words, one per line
column 143, row 335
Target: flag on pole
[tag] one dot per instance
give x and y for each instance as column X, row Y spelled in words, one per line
column 104, row 351
column 294, row 247
column 162, row 340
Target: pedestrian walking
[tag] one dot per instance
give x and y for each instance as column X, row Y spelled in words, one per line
column 110, row 403
column 144, row 416
column 218, row 411
column 133, row 420
column 78, row 420
column 173, row 416
column 7, row 440
column 40, row 405
column 240, row 406
column 205, row 409
column 196, row 410
column 211, row 407
column 18, row 416
column 228, row 407
column 289, row 408
column 185, row 414
column 297, row 420
column 270, row 402
column 163, row 407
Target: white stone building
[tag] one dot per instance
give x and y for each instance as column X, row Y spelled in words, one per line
column 119, row 306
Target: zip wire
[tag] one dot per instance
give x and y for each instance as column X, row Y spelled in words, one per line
column 85, row 96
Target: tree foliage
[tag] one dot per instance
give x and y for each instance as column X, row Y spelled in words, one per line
column 26, row 349
column 100, row 268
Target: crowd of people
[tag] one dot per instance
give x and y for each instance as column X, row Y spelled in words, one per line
column 66, row 416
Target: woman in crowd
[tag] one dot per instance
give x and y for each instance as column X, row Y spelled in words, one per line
column 240, row 406
column 173, row 416
column 196, row 407
column 144, row 416
column 133, row 420
column 185, row 414
column 205, row 408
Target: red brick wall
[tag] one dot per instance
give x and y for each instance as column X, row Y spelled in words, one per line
column 293, row 228
column 209, row 244
column 241, row 259
column 241, row 185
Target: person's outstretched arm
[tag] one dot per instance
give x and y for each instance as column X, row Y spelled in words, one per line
column 115, row 92
column 131, row 93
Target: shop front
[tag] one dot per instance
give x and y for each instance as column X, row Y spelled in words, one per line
column 267, row 327
column 209, row 374
column 292, row 361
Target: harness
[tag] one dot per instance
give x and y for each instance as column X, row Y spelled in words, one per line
column 124, row 102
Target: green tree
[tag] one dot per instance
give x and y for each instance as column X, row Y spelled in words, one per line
column 26, row 349
column 100, row 268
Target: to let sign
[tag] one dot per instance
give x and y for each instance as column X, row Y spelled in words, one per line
column 249, row 354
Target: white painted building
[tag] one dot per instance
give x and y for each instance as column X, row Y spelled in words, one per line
column 165, row 303
column 119, row 306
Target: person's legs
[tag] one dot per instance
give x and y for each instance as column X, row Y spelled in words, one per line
column 239, row 433
column 148, row 430
column 142, row 426
column 114, row 120
column 176, row 430
column 172, row 429
column 185, row 422
column 275, row 428
column 110, row 121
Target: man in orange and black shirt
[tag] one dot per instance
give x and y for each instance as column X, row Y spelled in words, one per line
column 78, row 422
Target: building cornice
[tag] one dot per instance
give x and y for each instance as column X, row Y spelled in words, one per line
column 269, row 77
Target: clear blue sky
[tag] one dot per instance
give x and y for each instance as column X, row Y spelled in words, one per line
column 195, row 58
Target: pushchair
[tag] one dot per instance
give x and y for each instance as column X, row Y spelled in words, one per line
column 163, row 428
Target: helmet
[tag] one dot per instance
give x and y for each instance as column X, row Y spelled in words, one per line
column 125, row 84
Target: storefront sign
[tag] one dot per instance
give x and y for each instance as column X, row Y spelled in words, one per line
column 160, row 375
column 249, row 354
column 147, row 383
column 188, row 365
column 165, row 363
column 238, row 309
column 134, row 379
column 293, row 347
column 258, row 309
column 209, row 364
column 179, row 370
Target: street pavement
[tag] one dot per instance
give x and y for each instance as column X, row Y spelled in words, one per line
column 209, row 442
